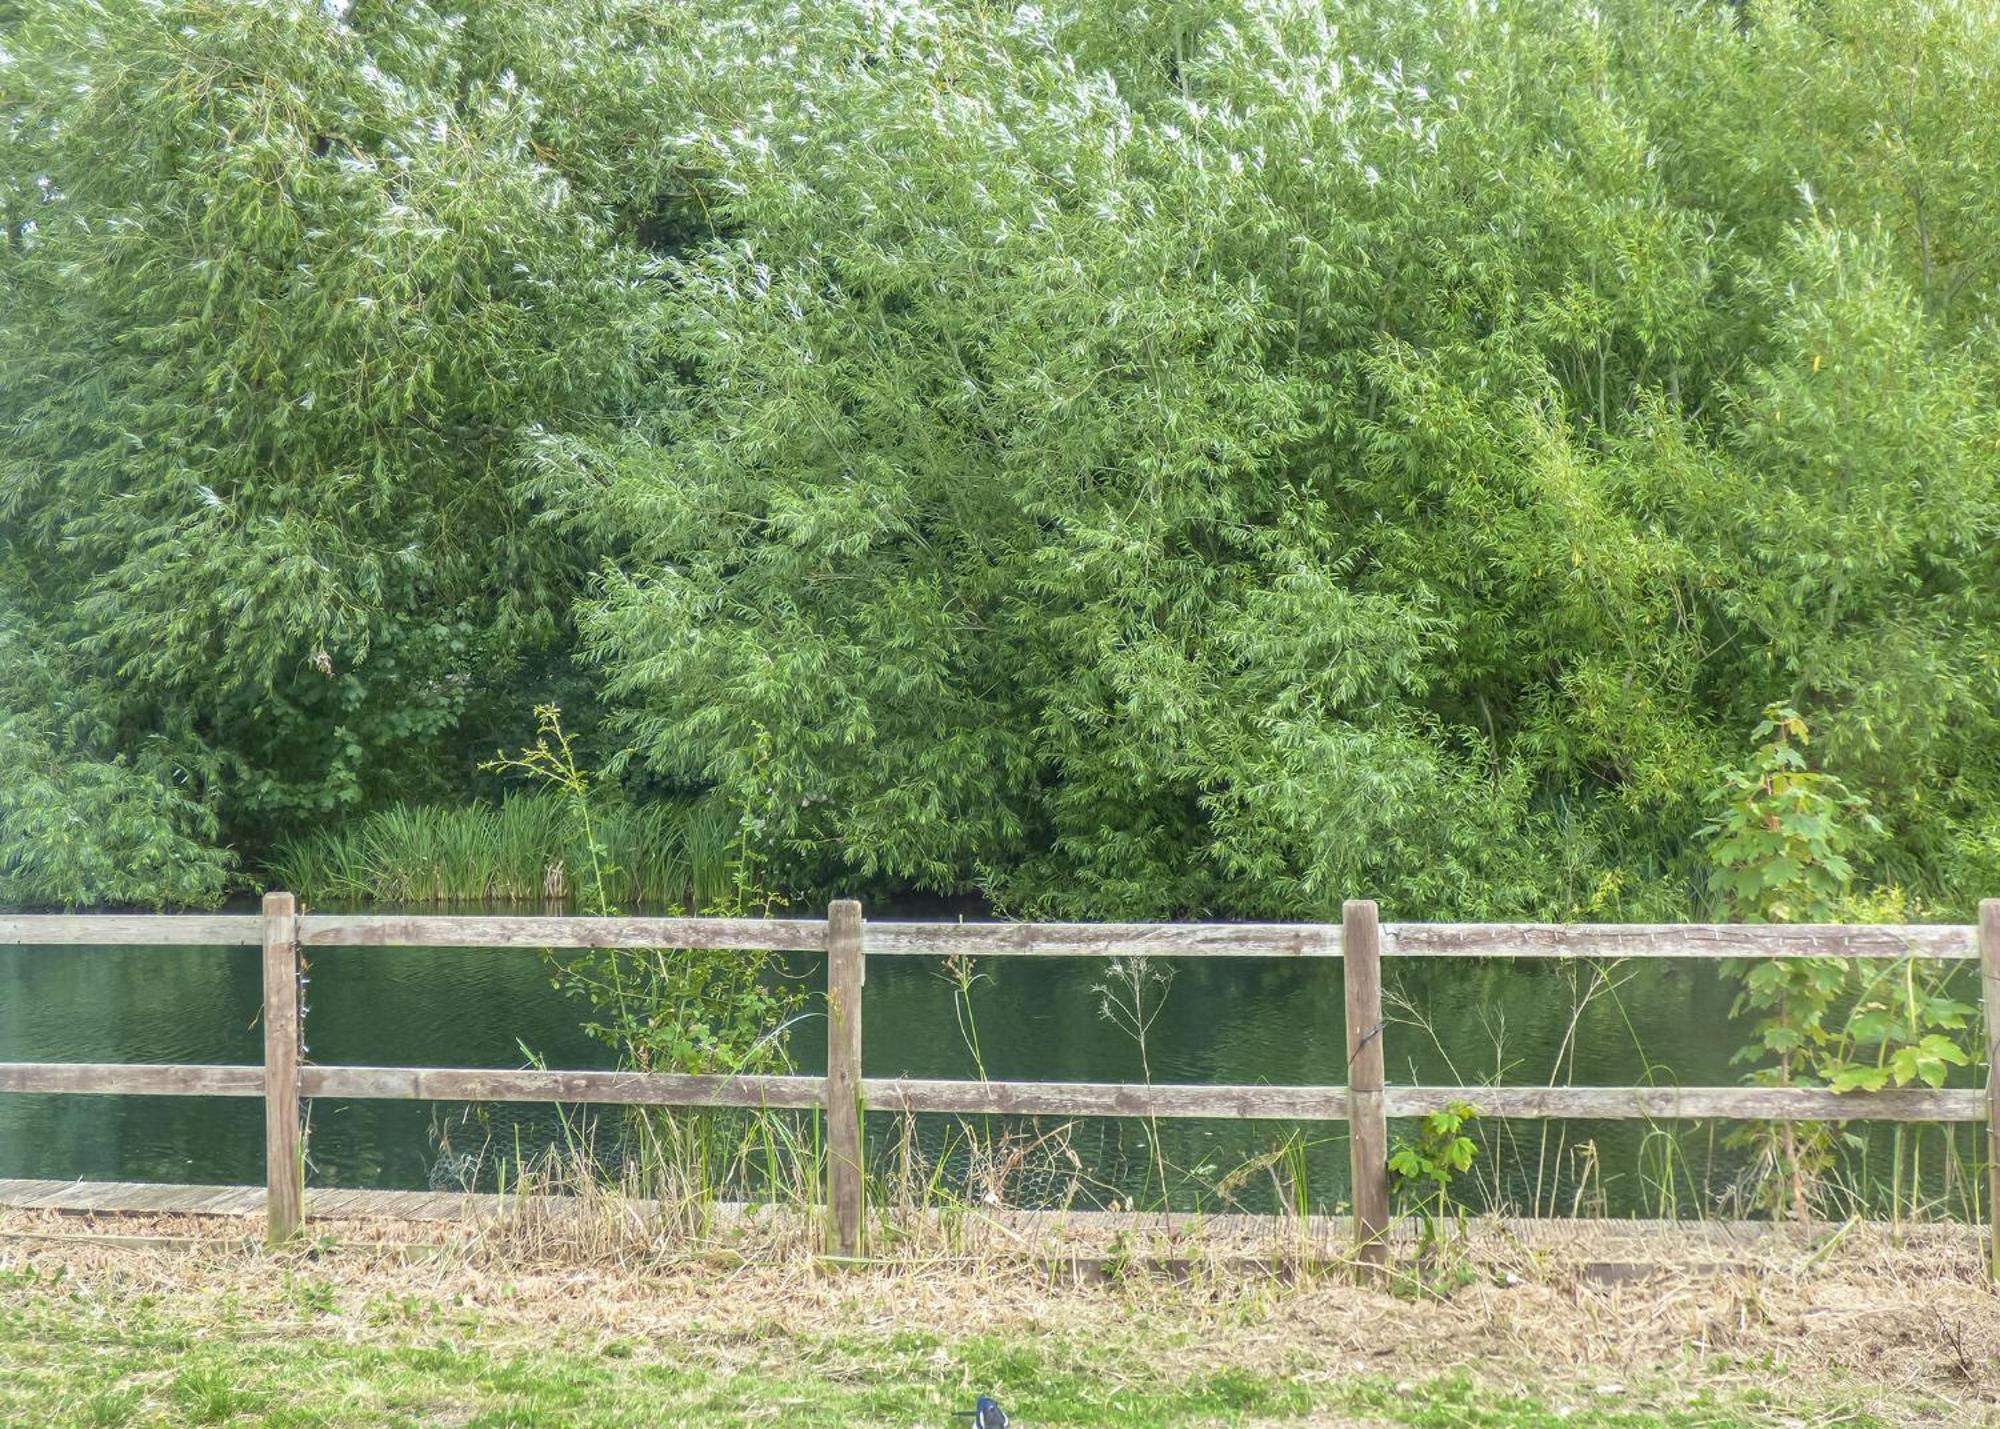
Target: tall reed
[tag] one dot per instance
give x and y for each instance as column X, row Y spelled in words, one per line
column 522, row 849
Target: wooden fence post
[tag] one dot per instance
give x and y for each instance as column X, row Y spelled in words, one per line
column 284, row 1167
column 1367, row 1122
column 845, row 973
column 1989, row 964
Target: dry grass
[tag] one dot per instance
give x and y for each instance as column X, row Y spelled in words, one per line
column 1594, row 1306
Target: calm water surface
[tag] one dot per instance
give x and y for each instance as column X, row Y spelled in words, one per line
column 1222, row 1020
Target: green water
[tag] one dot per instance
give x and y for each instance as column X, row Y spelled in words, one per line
column 1223, row 1020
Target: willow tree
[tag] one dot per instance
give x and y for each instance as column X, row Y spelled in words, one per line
column 1246, row 453
column 282, row 289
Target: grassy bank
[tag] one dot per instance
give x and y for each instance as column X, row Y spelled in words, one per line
column 525, row 848
column 371, row 1327
column 176, row 1377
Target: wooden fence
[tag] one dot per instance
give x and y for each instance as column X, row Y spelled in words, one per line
column 846, row 940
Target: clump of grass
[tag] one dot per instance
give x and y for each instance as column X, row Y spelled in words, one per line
column 658, row 1186
column 523, row 849
column 572, row 1205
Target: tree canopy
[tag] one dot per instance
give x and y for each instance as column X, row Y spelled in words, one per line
column 1221, row 457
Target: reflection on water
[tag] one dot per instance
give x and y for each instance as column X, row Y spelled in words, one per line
column 1224, row 1020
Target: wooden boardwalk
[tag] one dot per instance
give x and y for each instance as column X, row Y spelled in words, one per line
column 146, row 1198
column 141, row 1199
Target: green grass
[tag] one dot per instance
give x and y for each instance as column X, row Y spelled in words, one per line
column 665, row 853
column 67, row 1357
column 322, row 1381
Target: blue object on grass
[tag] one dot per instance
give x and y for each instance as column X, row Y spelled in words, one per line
column 985, row 1414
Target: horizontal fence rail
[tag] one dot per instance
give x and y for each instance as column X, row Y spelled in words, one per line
column 1944, row 942
column 137, row 929
column 1101, row 940
column 1250, row 1101
column 1678, row 940
column 364, row 930
column 435, row 1084
column 174, row 1079
column 844, row 1095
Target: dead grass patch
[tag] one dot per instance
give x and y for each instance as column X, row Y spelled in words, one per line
column 1593, row 1305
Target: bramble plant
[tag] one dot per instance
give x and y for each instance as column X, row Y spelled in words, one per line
column 1782, row 847
column 1424, row 1167
column 1898, row 1032
column 1905, row 1026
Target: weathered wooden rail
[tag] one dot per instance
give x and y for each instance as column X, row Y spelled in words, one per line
column 845, row 1095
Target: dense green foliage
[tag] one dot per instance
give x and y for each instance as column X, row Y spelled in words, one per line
column 281, row 295
column 1221, row 456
